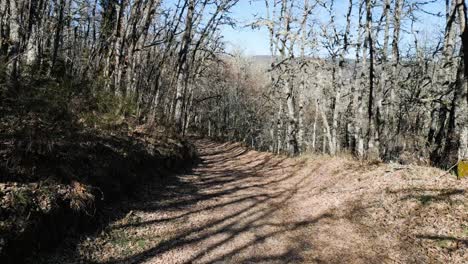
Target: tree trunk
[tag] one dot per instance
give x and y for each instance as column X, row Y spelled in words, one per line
column 183, row 72
column 279, row 128
column 58, row 32
column 372, row 137
column 13, row 52
column 393, row 82
column 358, row 91
column 293, row 148
column 462, row 118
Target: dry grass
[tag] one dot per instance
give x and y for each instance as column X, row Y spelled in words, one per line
column 80, row 196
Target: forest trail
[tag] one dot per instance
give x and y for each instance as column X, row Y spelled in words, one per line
column 243, row 206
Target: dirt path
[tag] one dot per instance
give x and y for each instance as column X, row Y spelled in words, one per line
column 243, row 206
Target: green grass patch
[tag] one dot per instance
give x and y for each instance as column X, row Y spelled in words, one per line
column 425, row 199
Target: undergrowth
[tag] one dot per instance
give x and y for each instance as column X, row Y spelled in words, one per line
column 68, row 146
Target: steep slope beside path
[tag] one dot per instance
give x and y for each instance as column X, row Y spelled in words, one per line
column 243, row 206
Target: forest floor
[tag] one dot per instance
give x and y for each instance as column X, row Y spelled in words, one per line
column 68, row 152
column 243, row 206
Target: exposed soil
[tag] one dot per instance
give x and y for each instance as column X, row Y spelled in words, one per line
column 242, row 206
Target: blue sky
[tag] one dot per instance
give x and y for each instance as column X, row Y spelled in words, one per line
column 252, row 42
column 256, row 41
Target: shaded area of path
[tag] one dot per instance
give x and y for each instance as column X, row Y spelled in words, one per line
column 241, row 206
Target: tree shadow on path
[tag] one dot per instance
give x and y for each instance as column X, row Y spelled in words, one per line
column 232, row 208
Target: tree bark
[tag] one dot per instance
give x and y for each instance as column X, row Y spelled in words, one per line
column 13, row 52
column 183, row 72
column 372, row 138
column 462, row 122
